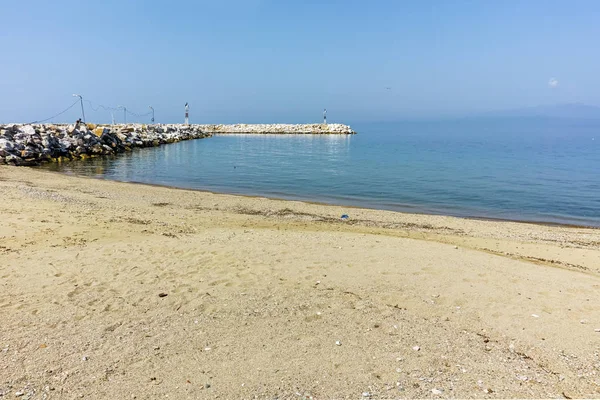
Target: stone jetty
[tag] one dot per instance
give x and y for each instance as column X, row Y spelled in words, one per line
column 278, row 129
column 33, row 144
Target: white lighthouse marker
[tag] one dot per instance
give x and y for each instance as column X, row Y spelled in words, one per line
column 187, row 114
column 325, row 116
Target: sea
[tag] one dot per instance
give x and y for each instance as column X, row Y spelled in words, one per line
column 525, row 169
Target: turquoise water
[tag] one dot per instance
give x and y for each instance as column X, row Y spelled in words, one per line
column 519, row 169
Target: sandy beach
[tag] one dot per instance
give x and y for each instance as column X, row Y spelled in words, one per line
column 115, row 290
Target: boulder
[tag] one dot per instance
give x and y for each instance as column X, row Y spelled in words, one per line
column 12, row 159
column 28, row 153
column 100, row 131
column 28, row 130
column 6, row 145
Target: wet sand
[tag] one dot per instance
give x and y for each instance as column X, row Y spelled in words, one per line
column 118, row 290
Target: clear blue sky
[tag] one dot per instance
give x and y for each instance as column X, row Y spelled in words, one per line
column 283, row 61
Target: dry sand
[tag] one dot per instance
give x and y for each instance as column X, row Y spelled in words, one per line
column 280, row 299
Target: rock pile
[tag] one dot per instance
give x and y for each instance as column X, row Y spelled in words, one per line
column 35, row 144
column 311, row 129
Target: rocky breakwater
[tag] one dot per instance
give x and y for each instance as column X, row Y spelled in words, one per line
column 35, row 144
column 310, row 129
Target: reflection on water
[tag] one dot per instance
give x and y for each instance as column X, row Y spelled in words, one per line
column 515, row 171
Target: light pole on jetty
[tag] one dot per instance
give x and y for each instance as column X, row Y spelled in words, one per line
column 187, row 114
column 325, row 116
column 81, row 101
column 152, row 113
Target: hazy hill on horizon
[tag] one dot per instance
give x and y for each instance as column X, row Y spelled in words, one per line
column 565, row 110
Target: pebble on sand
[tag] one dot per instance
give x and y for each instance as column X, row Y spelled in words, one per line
column 416, row 348
column 338, row 343
column 436, row 391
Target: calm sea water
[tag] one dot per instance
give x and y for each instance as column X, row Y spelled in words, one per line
column 521, row 169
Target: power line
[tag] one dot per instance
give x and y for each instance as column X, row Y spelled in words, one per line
column 54, row 116
column 96, row 109
column 100, row 106
column 139, row 115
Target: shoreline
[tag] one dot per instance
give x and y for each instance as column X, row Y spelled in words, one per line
column 115, row 290
column 441, row 213
column 386, row 220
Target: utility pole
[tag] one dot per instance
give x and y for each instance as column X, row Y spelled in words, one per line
column 187, row 114
column 152, row 113
column 325, row 116
column 81, row 101
column 112, row 115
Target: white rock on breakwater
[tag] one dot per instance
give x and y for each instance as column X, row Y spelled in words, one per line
column 35, row 144
column 311, row 129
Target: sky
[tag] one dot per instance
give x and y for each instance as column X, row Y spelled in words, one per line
column 284, row 61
